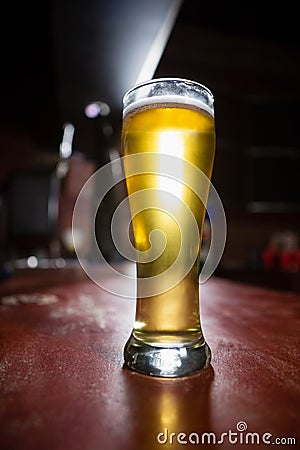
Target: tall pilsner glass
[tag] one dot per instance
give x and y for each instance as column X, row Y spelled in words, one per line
column 168, row 144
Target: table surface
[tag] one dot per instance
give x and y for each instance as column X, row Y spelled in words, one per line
column 63, row 385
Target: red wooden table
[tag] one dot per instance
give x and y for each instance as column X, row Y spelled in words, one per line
column 63, row 387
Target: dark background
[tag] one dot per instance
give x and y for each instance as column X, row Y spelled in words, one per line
column 58, row 56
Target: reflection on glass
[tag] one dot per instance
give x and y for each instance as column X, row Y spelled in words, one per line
column 168, row 412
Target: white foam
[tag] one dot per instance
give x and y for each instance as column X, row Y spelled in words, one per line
column 178, row 99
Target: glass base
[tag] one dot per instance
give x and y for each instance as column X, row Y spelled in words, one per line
column 167, row 362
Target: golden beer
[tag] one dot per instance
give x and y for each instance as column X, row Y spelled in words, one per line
column 168, row 129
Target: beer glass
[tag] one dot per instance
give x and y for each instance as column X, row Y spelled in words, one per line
column 168, row 146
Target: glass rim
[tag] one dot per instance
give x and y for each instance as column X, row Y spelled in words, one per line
column 162, row 79
column 154, row 81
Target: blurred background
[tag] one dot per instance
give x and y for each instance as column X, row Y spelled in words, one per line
column 65, row 68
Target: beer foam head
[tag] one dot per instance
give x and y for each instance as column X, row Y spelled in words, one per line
column 168, row 100
column 168, row 92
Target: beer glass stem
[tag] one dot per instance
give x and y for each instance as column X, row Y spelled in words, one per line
column 167, row 362
column 168, row 348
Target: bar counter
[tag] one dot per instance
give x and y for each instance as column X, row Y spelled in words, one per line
column 63, row 385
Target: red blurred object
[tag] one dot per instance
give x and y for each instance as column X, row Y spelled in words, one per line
column 297, row 259
column 270, row 257
column 287, row 260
